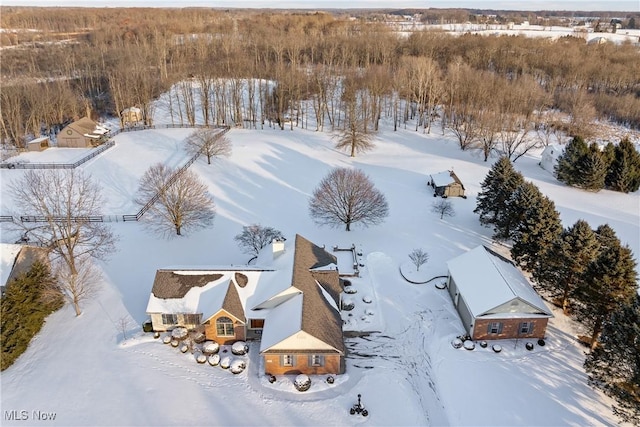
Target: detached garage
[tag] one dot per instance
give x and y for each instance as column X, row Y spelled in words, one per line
column 494, row 299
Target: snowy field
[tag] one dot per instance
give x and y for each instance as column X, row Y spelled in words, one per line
column 86, row 372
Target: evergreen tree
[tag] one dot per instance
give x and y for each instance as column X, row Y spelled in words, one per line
column 23, row 308
column 563, row 267
column 614, row 365
column 567, row 167
column 533, row 235
column 610, row 282
column 498, row 186
column 515, row 210
column 591, row 169
column 624, row 172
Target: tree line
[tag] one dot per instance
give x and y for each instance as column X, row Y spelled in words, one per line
column 586, row 272
column 489, row 91
column 616, row 167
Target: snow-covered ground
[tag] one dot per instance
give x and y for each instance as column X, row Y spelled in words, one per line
column 85, row 371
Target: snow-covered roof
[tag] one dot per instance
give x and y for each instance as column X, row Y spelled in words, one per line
column 38, row 140
column 442, row 179
column 282, row 322
column 203, row 290
column 486, row 281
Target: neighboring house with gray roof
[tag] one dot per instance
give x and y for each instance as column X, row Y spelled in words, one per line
column 292, row 307
column 494, row 299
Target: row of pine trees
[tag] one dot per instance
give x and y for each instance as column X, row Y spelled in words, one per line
column 616, row 167
column 587, row 272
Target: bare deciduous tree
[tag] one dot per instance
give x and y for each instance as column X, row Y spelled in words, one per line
column 210, row 142
column 123, row 324
column 418, row 257
column 354, row 137
column 444, row 208
column 254, row 237
column 79, row 286
column 64, row 201
column 346, row 196
column 183, row 201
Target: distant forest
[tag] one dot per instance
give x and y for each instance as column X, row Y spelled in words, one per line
column 62, row 63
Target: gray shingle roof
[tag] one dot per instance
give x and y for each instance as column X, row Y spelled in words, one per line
column 168, row 284
column 232, row 303
column 319, row 317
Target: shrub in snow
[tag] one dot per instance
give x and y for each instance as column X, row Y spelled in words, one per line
column 529, row 346
column 179, row 333
column 330, row 380
column 348, row 305
column 367, row 299
column 210, row 347
column 346, row 282
column 174, row 343
column 497, row 348
column 456, row 343
column 156, row 335
column 369, row 312
column 166, row 339
column 272, row 379
column 184, row 348
column 469, row 345
column 214, row 360
column 239, row 348
column 201, row 358
column 225, row 362
column 237, row 366
column 483, row 344
column 350, row 290
column 199, row 338
column 302, row 382
column 541, row 342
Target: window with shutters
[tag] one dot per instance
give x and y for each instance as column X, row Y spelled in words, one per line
column 494, row 328
column 286, row 360
column 526, row 327
column 316, row 360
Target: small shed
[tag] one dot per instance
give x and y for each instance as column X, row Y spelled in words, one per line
column 131, row 116
column 38, row 144
column 446, row 184
column 550, row 155
column 82, row 133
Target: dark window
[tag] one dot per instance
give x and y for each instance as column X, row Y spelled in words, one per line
column 169, row 319
column 526, row 327
column 191, row 319
column 494, row 328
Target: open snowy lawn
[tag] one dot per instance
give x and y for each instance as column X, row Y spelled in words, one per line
column 406, row 369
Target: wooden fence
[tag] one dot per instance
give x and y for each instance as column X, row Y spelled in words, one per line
column 102, row 148
column 118, row 218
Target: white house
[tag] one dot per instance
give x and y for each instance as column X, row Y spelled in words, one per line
column 550, row 155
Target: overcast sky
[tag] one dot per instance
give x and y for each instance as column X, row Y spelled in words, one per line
column 578, row 5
